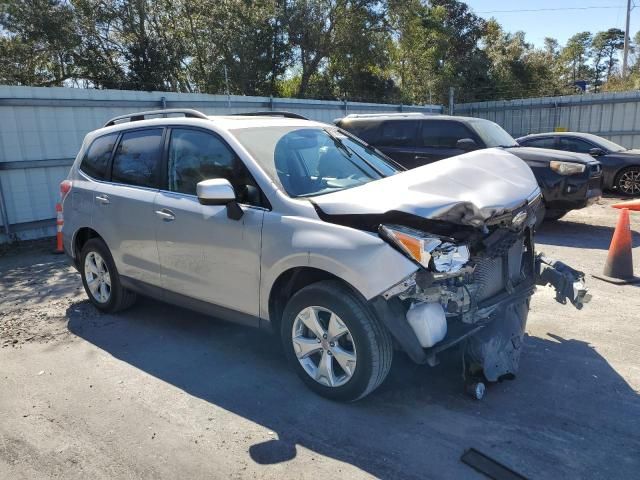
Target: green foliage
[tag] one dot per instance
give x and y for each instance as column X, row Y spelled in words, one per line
column 410, row 51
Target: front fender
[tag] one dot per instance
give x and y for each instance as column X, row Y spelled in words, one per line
column 362, row 259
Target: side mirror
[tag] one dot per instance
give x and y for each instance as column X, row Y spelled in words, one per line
column 596, row 152
column 218, row 191
column 466, row 144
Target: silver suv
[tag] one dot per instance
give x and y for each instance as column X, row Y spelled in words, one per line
column 280, row 222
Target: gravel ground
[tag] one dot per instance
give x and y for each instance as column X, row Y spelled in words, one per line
column 160, row 392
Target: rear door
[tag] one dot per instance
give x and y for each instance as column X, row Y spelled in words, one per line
column 398, row 139
column 438, row 139
column 94, row 168
column 572, row 144
column 204, row 254
column 123, row 211
column 541, row 142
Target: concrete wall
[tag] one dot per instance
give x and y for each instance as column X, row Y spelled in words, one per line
column 611, row 115
column 41, row 130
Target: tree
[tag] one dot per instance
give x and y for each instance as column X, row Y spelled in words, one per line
column 246, row 38
column 358, row 63
column 437, row 48
column 575, row 55
column 605, row 49
column 312, row 25
column 37, row 42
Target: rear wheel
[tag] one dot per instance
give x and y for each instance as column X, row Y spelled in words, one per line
column 628, row 181
column 101, row 280
column 335, row 342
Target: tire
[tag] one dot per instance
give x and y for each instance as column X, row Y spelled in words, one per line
column 627, row 181
column 95, row 256
column 367, row 341
column 551, row 215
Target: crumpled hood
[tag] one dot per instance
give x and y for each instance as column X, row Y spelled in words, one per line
column 467, row 189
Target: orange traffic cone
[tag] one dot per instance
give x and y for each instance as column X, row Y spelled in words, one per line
column 618, row 268
column 631, row 205
column 59, row 223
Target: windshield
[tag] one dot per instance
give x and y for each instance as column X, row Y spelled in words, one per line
column 308, row 161
column 606, row 144
column 492, row 134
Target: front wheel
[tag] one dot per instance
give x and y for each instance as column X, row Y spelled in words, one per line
column 336, row 344
column 628, row 181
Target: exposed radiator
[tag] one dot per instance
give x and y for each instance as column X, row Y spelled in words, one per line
column 489, row 272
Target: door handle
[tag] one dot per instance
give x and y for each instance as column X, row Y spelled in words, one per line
column 103, row 199
column 166, row 215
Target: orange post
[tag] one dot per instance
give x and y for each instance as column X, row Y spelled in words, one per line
column 59, row 223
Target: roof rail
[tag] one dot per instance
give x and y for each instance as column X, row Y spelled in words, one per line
column 390, row 114
column 133, row 117
column 272, row 113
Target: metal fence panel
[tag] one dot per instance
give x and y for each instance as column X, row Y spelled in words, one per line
column 610, row 115
column 41, row 130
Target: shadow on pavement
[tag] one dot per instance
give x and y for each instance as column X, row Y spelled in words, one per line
column 568, row 413
column 579, row 235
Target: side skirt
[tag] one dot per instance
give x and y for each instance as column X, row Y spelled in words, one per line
column 190, row 303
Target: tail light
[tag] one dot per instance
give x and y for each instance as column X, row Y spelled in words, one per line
column 65, row 188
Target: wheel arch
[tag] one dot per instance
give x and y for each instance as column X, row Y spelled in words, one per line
column 80, row 238
column 291, row 281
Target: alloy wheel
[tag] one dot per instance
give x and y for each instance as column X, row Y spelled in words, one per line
column 97, row 276
column 629, row 182
column 324, row 346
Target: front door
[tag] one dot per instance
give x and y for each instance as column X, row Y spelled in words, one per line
column 204, row 254
column 438, row 140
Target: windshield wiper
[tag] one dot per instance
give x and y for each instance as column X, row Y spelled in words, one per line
column 338, row 143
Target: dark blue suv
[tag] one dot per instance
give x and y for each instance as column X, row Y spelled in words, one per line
column 568, row 180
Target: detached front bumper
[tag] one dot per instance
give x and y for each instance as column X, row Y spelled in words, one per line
column 492, row 336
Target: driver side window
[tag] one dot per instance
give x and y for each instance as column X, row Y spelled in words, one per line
column 195, row 155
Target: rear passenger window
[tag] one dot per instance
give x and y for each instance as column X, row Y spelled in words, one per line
column 367, row 131
column 137, row 158
column 441, row 134
column 398, row 133
column 540, row 143
column 575, row 145
column 96, row 161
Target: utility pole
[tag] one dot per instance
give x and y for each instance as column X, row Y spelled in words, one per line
column 625, row 55
column 451, row 101
column 226, row 84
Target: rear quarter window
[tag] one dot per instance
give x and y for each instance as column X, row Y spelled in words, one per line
column 96, row 161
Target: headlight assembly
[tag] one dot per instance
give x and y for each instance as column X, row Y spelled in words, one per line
column 566, row 168
column 428, row 250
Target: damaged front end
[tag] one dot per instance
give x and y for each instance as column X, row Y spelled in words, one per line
column 472, row 290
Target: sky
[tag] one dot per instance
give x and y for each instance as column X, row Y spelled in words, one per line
column 559, row 24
